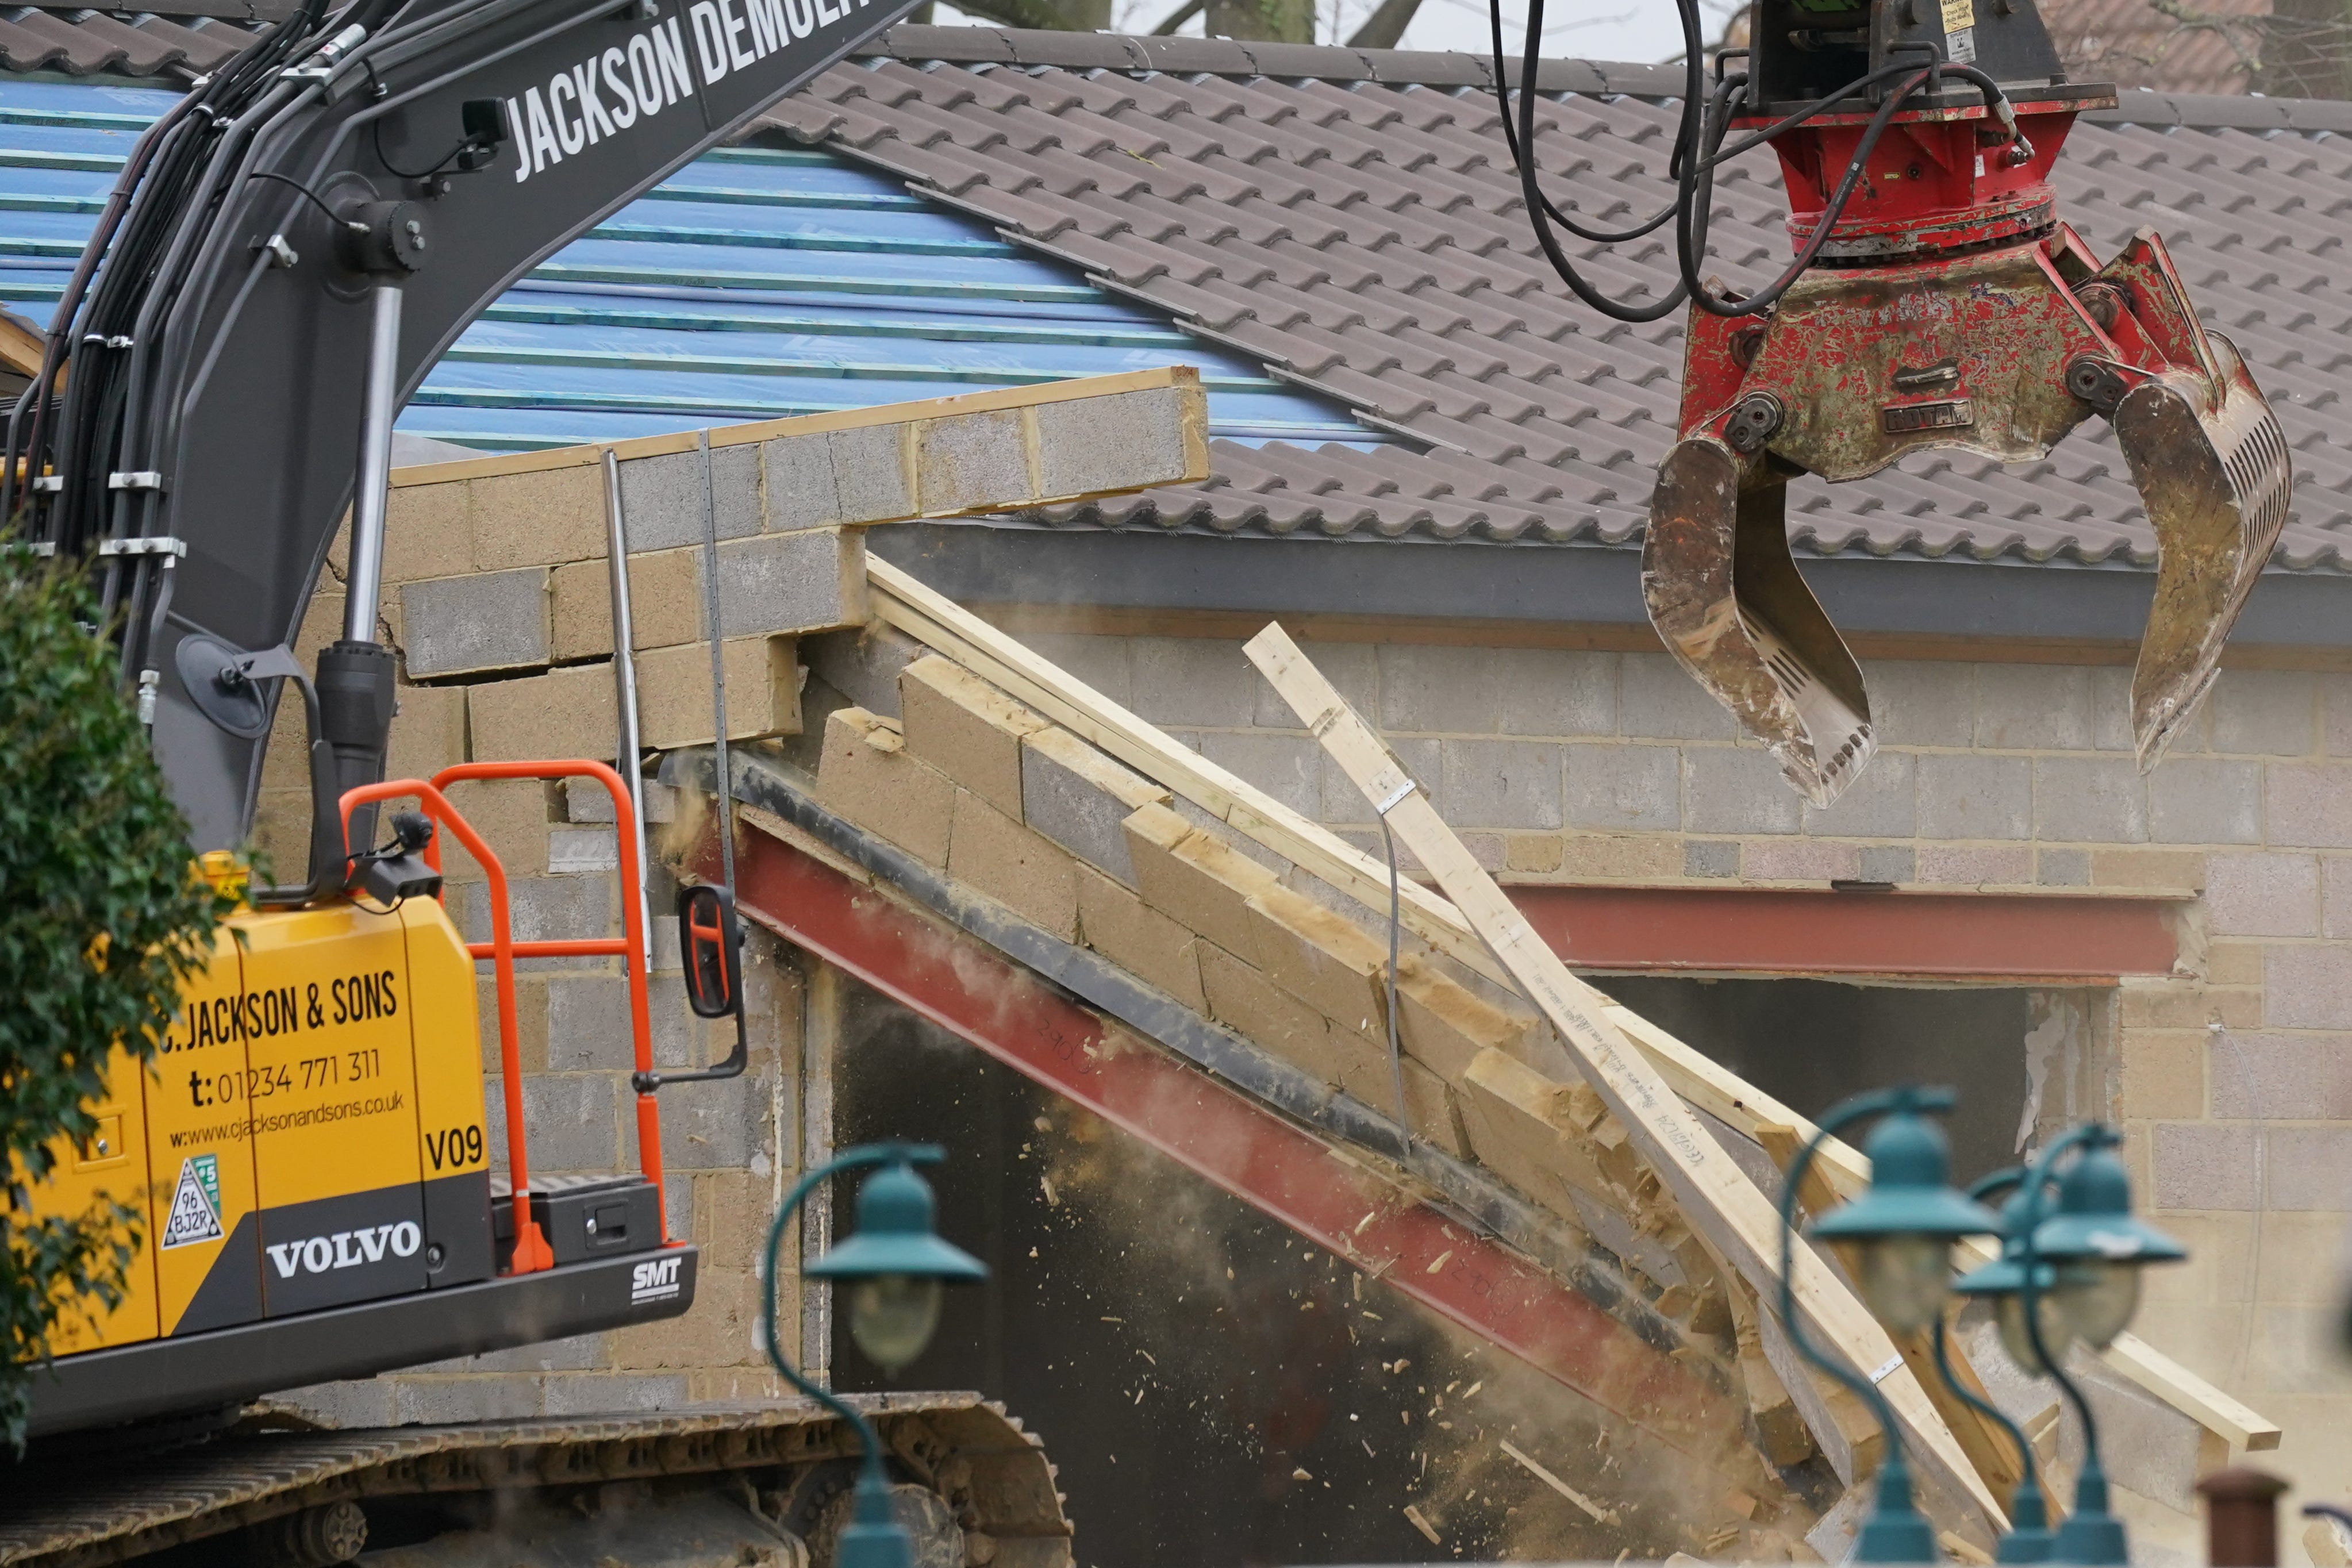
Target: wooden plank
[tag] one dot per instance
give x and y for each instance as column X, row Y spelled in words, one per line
column 904, row 602
column 1178, row 376
column 1717, row 1196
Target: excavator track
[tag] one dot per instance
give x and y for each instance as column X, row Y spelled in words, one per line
column 273, row 1495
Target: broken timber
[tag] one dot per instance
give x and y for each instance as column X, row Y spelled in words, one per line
column 1714, row 1193
column 904, row 603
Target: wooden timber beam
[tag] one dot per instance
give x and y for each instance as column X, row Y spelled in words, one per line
column 903, row 602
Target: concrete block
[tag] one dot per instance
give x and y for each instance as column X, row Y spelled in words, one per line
column 718, row 1126
column 2308, row 987
column 1079, row 798
column 2336, row 896
column 2263, row 895
column 1539, row 853
column 1658, row 697
column 1799, row 860
column 1200, row 883
column 1113, row 443
column 2308, row 804
column 2111, row 723
column 428, row 733
column 2163, row 1075
column 801, row 488
column 571, row 850
column 1922, row 702
column 1252, row 1006
column 574, row 1122
column 873, row 476
column 863, row 664
column 566, row 713
column 1120, row 926
column 807, row 581
column 536, row 519
column 867, row 776
column 549, row 907
column 2089, row 800
column 427, row 532
column 580, row 611
column 972, row 461
column 763, row 692
column 2147, row 868
column 666, row 604
column 1963, row 797
column 1288, row 767
column 1554, row 692
column 1430, row 688
column 1620, row 857
column 592, row 1394
column 1445, row 1026
column 2062, row 867
column 1353, row 668
column 2264, row 712
column 1730, row 789
column 1949, row 865
column 2197, row 800
column 1192, row 681
column 1433, row 1113
column 2202, row 1165
column 2335, row 715
column 662, row 497
column 1893, row 863
column 342, row 1406
column 588, row 1024
column 1499, row 784
column 586, row 800
column 439, row 1401
column 1100, row 662
column 2034, row 707
column 2295, row 1078
column 1025, row 871
column 469, row 625
column 967, row 729
column 2180, row 1003
column 1422, row 760
column 530, row 1005
column 2155, row 1447
column 1362, row 1065
column 2234, row 964
column 2309, row 1169
column 1703, row 857
column 1882, row 804
column 1512, row 1116
column 1320, row 958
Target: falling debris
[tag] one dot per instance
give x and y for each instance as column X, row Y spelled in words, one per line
column 1599, row 1514
column 1412, row 1516
column 1442, row 1259
column 1052, row 1199
column 1300, row 1474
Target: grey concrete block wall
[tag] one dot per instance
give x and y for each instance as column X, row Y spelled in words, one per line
column 469, row 625
column 662, row 502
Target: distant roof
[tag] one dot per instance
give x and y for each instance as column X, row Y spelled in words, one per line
column 753, row 284
column 1349, row 216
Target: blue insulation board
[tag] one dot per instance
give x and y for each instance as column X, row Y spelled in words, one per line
column 753, row 284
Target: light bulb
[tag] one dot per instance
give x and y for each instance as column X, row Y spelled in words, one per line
column 2097, row 1298
column 892, row 1316
column 2056, row 1332
column 1904, row 1278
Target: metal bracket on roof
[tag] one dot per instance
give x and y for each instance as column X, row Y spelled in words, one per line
column 135, row 480
column 156, row 545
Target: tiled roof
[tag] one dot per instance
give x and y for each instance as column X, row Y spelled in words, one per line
column 123, row 43
column 753, row 284
column 2133, row 44
column 1350, row 217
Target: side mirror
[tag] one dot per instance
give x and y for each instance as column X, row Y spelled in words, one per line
column 711, row 941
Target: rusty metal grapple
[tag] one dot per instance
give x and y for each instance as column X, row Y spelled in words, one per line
column 1945, row 307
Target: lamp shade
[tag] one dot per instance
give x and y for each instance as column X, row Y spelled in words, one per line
column 1910, row 1189
column 2094, row 1222
column 894, row 1236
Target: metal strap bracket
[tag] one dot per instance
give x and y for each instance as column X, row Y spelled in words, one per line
column 159, row 544
column 48, row 484
column 135, row 480
column 1395, row 798
column 1887, row 1371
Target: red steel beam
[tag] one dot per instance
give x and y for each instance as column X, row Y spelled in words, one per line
column 968, row 988
column 1901, row 935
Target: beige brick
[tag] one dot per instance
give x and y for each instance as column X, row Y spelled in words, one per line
column 2147, row 868
column 2234, row 964
column 1975, row 864
column 1444, row 1025
column 426, row 533
column 580, row 608
column 1194, row 880
column 510, row 815
column 967, row 729
column 1437, row 1116
column 666, row 606
column 2168, row 1004
column 1362, row 1064
column 763, row 692
column 281, row 836
column 285, row 760
column 1120, row 926
column 536, row 519
column 1622, row 856
column 530, row 1023
column 1511, row 1115
column 428, row 733
column 1532, row 852
column 1025, row 871
column 1320, row 958
column 563, row 713
column 1248, row 1002
column 2163, row 1074
column 867, row 775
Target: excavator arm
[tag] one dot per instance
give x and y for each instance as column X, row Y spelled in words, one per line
column 288, row 253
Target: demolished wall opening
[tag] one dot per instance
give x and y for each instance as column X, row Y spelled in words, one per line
column 1213, row 1388
column 2014, row 1052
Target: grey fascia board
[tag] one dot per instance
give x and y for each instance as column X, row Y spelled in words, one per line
column 1591, row 585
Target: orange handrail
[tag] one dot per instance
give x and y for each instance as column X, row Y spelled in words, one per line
column 531, row 1252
